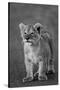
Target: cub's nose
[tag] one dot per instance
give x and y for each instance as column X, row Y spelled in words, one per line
column 27, row 38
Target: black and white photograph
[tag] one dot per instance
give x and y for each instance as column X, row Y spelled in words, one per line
column 32, row 44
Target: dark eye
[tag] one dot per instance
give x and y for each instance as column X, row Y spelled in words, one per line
column 25, row 33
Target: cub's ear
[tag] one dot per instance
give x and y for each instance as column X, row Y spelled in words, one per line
column 38, row 27
column 22, row 28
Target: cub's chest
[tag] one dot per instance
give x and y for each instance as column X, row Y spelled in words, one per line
column 32, row 52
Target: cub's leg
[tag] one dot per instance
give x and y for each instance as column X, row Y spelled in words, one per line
column 51, row 66
column 29, row 70
column 41, row 71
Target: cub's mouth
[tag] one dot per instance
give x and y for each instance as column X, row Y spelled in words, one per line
column 29, row 42
column 28, row 39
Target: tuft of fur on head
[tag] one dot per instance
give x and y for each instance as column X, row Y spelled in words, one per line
column 30, row 33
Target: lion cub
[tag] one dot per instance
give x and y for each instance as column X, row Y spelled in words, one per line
column 38, row 49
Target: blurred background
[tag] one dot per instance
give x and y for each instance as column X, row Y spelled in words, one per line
column 29, row 14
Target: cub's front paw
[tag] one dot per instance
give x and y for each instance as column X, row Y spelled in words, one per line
column 42, row 77
column 27, row 79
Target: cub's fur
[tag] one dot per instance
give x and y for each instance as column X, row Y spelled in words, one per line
column 38, row 49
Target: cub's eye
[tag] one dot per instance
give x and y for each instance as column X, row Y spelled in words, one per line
column 25, row 33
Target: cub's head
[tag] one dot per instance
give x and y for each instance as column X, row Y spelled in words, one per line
column 30, row 33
